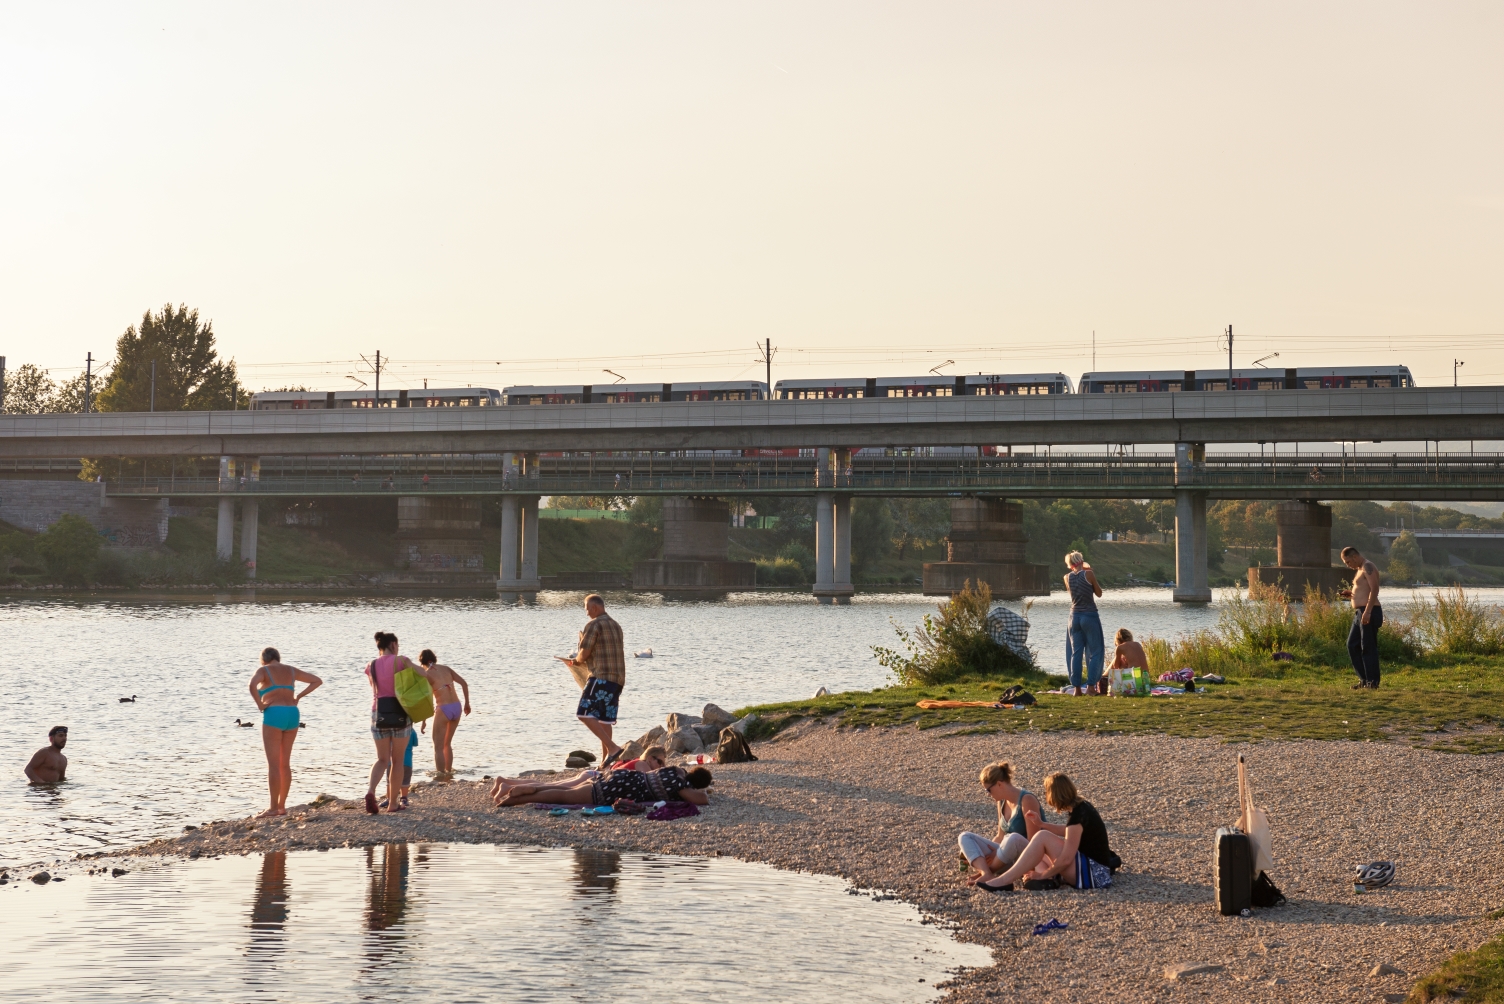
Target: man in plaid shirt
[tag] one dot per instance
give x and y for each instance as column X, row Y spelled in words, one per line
column 602, row 653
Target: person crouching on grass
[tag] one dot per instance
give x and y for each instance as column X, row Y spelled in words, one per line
column 1075, row 854
column 988, row 858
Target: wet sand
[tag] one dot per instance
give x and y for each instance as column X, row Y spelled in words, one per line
column 882, row 808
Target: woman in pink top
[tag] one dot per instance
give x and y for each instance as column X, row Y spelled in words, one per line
column 389, row 723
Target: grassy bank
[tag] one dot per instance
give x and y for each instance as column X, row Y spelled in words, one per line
column 1475, row 977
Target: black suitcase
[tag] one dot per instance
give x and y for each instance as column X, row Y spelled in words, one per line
column 1232, row 872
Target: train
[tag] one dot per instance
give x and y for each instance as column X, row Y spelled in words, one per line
column 831, row 389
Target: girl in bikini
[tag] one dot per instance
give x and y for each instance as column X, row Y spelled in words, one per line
column 442, row 679
column 272, row 689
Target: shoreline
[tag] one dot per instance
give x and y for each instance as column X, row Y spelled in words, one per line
column 881, row 808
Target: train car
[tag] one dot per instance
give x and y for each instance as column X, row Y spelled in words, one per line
column 928, row 385
column 307, row 400
column 1302, row 378
column 638, row 393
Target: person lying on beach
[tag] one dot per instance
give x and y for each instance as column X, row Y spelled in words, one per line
column 1075, row 854
column 442, row 679
column 989, row 858
column 48, row 765
column 667, row 785
column 1128, row 654
column 653, row 758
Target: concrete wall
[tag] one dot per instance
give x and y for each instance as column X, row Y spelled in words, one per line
column 695, row 529
column 36, row 505
column 439, row 533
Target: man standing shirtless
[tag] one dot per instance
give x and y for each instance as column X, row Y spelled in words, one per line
column 1368, row 617
column 48, row 765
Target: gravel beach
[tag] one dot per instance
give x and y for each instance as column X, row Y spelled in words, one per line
column 882, row 808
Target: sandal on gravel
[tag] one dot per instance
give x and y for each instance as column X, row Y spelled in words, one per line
column 1044, row 883
column 993, row 888
column 371, row 804
column 1052, row 925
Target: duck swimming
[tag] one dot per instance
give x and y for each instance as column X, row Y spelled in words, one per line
column 244, row 725
column 128, row 700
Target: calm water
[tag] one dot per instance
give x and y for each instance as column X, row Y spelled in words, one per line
column 144, row 770
column 464, row 923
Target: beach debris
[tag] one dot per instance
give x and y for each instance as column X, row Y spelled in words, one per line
column 560, row 811
column 822, row 692
column 1181, row 970
column 1385, row 969
column 41, row 878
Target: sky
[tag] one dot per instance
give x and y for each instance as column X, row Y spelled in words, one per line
column 507, row 193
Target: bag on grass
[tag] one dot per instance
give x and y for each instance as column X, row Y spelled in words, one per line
column 733, row 748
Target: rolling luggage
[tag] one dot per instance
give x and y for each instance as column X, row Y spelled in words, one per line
column 1232, row 871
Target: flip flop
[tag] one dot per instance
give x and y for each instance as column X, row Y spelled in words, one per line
column 371, row 804
column 993, row 888
column 558, row 812
column 1052, row 925
column 606, row 763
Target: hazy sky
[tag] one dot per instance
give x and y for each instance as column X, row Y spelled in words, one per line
column 860, row 182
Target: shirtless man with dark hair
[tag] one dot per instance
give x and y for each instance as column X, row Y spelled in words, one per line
column 1368, row 617
column 48, row 765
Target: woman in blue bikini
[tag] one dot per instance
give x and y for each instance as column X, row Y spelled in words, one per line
column 272, row 689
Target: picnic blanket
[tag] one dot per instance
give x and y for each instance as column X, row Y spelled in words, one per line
column 1010, row 630
column 930, row 705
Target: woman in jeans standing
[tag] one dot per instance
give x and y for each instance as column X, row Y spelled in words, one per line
column 1083, row 639
column 389, row 723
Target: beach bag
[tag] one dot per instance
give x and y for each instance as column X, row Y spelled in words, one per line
column 1253, row 821
column 389, row 714
column 1265, row 892
column 733, row 748
column 414, row 694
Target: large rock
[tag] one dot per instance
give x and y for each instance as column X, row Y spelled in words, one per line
column 631, row 751
column 710, row 735
column 685, row 740
column 677, row 721
column 717, row 716
column 652, row 736
column 741, row 725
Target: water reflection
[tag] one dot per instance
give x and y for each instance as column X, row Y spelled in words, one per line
column 595, row 872
column 269, row 909
column 386, row 903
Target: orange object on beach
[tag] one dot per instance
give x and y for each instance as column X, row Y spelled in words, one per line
column 930, row 705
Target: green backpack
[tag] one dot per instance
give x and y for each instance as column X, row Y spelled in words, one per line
column 414, row 694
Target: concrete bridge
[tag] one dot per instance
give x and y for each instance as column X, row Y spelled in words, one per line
column 516, row 436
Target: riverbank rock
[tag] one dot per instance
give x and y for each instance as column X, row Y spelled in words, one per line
column 741, row 725
column 685, row 740
column 709, row 734
column 677, row 721
column 716, row 716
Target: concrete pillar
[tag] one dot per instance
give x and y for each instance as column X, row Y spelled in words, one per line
column 528, row 572
column 842, row 576
column 511, row 539
column 694, row 564
column 224, row 538
column 825, row 546
column 987, row 544
column 250, row 514
column 1190, row 548
column 823, row 477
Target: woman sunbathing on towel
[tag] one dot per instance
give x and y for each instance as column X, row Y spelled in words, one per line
column 1075, row 854
column 667, row 785
column 653, row 758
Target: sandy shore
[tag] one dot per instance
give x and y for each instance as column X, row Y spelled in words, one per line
column 882, row 808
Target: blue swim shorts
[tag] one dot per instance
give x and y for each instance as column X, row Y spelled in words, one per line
column 599, row 701
column 281, row 716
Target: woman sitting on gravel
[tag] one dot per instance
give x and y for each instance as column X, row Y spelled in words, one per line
column 986, row 857
column 653, row 758
column 667, row 785
column 1075, row 854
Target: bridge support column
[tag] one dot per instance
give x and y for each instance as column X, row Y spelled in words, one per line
column 832, row 517
column 1191, row 584
column 250, row 515
column 528, row 572
column 841, row 573
column 510, row 539
column 224, row 536
column 519, row 549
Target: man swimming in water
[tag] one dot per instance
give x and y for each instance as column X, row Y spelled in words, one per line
column 48, row 765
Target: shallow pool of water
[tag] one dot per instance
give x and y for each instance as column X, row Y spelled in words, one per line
column 438, row 922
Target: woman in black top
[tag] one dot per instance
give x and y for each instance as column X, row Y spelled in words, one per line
column 1075, row 854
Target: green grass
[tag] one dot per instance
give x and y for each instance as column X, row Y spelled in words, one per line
column 591, row 545
column 1475, row 977
column 1456, row 706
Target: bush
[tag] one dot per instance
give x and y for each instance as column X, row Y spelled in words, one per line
column 1405, row 558
column 70, row 548
column 800, row 555
column 1453, row 623
column 952, row 643
column 780, row 572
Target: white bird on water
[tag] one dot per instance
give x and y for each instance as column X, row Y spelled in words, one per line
column 646, row 653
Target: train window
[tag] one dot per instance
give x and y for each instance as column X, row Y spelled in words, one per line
column 1357, row 382
column 1312, row 384
column 1382, row 382
column 1173, row 385
column 1214, row 385
column 1271, row 385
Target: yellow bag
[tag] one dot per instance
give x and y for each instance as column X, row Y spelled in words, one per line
column 414, row 694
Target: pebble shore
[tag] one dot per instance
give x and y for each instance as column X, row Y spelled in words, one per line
column 882, row 808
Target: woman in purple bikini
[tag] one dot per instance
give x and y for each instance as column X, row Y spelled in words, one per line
column 442, row 679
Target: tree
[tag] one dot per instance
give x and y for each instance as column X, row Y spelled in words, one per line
column 871, row 531
column 919, row 522
column 70, row 548
column 30, row 390
column 190, row 374
column 1405, row 558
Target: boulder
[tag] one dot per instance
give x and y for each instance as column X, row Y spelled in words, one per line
column 41, row 878
column 709, row 734
column 652, row 736
column 717, row 716
column 685, row 740
column 631, row 751
column 576, row 763
column 741, row 725
column 1385, row 969
column 677, row 721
